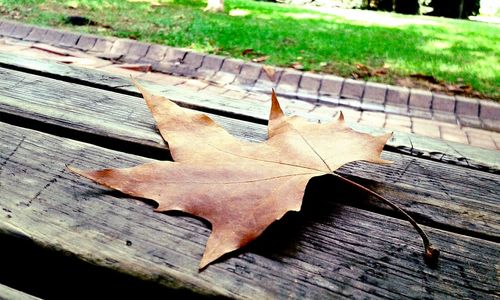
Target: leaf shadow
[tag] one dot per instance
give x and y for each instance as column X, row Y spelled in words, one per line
column 322, row 206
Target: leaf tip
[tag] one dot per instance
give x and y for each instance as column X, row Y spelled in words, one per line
column 73, row 169
column 141, row 89
column 276, row 111
column 341, row 117
column 387, row 136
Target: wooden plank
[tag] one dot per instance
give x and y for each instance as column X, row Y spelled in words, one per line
column 13, row 294
column 122, row 122
column 82, row 108
column 251, row 110
column 326, row 251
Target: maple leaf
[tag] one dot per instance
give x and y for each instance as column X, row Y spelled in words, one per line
column 240, row 187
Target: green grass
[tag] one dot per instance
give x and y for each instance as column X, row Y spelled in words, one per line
column 455, row 51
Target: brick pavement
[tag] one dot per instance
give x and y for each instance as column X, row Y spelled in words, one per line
column 464, row 120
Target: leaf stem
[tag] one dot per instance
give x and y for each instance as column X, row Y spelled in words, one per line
column 431, row 254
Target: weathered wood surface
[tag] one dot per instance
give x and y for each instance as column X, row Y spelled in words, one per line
column 7, row 293
column 445, row 196
column 249, row 110
column 326, row 251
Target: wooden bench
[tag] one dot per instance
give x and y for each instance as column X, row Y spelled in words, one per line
column 57, row 229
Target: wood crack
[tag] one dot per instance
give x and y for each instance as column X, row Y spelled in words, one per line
column 6, row 160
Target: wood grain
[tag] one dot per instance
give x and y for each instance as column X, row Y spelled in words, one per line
column 444, row 196
column 10, row 293
column 250, row 110
column 326, row 251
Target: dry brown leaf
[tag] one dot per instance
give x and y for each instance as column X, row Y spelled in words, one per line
column 270, row 72
column 297, row 66
column 136, row 67
column 260, row 59
column 239, row 187
column 247, row 51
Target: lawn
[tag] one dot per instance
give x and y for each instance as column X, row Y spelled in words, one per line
column 456, row 52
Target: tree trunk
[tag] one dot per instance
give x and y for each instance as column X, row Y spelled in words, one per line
column 215, row 6
column 461, row 10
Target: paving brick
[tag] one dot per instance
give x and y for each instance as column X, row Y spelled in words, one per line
column 492, row 125
column 166, row 67
column 397, row 96
column 328, row 100
column 397, row 120
column 250, row 71
column 195, row 85
column 102, row 45
column 331, row 86
column 69, row 39
column 188, row 65
column 399, row 110
column 480, row 137
column 52, row 37
column 374, row 93
column 373, row 119
column 469, row 121
column 496, row 138
column 489, row 110
column 443, row 103
column 14, row 45
column 36, row 34
column 136, row 51
column 430, row 130
column 212, row 63
column 481, row 141
column 309, row 87
column 174, row 55
column 354, row 103
column 156, row 53
column 232, row 66
column 467, row 107
column 398, row 128
column 215, row 90
column 424, row 121
column 86, row 42
column 265, row 98
column 223, row 78
column 163, row 78
column 119, row 48
column 271, row 74
column 445, row 117
column 295, row 107
column 420, row 99
column 477, row 132
column 368, row 106
column 235, row 94
column 419, row 113
column 172, row 61
column 268, row 80
column 289, row 81
column 353, row 89
column 21, row 31
column 307, row 95
column 6, row 28
column 324, row 112
column 310, row 82
column 453, row 135
column 115, row 69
